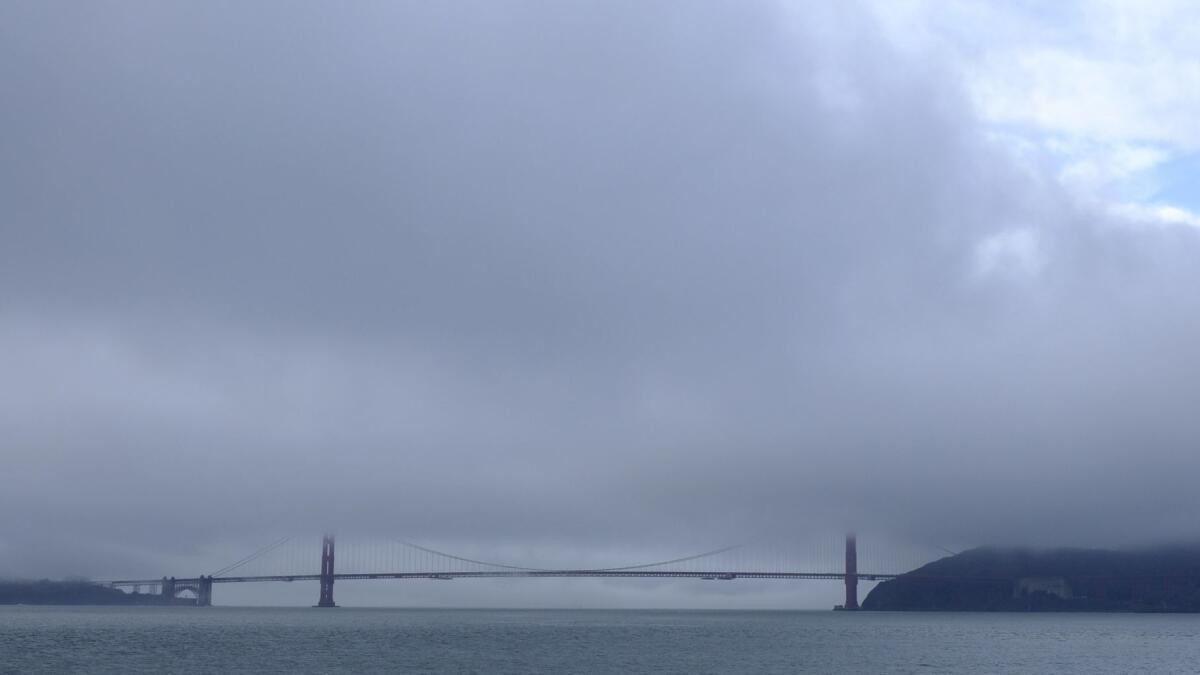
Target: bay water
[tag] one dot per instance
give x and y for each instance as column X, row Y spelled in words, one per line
column 298, row 641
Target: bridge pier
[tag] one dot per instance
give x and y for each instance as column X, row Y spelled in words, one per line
column 326, row 599
column 168, row 590
column 204, row 591
column 851, row 572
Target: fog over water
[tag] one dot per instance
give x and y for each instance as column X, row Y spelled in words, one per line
column 575, row 278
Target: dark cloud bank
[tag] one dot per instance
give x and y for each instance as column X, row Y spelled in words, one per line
column 566, row 274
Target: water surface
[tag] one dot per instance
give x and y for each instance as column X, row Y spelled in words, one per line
column 301, row 640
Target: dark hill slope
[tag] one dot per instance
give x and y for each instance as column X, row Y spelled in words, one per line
column 47, row 592
column 993, row 579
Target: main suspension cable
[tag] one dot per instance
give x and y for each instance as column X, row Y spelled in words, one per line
column 253, row 556
column 542, row 569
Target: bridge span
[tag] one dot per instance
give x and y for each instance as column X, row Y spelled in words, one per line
column 201, row 586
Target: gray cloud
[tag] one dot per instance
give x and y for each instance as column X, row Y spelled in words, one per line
column 582, row 275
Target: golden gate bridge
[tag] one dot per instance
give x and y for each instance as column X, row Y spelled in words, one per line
column 403, row 560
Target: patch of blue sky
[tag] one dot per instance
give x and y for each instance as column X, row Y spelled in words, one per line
column 1178, row 182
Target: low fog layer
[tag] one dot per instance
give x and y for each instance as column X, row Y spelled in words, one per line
column 647, row 276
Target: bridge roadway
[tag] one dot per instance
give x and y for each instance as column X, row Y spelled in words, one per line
column 618, row 574
column 202, row 585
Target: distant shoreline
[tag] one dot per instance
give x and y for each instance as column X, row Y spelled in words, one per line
column 1160, row 580
column 76, row 593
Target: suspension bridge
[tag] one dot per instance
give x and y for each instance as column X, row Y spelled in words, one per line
column 403, row 560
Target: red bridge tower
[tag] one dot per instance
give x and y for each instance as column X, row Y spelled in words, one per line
column 851, row 572
column 326, row 572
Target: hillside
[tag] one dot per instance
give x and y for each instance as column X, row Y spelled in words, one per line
column 1163, row 579
column 71, row 592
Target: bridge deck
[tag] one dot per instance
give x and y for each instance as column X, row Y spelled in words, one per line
column 724, row 575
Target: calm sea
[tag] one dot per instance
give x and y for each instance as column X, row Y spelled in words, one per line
column 344, row 640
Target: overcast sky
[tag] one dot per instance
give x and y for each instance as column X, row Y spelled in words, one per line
column 582, row 277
